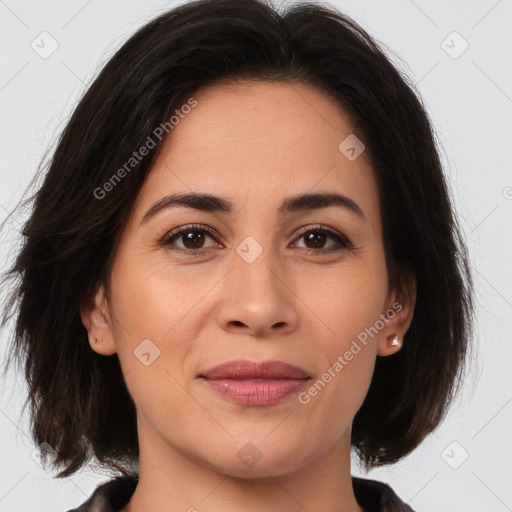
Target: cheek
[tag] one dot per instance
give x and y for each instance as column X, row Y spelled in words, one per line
column 337, row 392
column 153, row 334
column 349, row 302
column 154, row 300
column 345, row 299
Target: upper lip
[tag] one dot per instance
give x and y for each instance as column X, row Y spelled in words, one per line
column 243, row 369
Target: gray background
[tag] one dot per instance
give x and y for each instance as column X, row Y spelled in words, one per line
column 467, row 464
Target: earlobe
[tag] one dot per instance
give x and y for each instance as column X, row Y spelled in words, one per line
column 399, row 314
column 391, row 345
column 96, row 319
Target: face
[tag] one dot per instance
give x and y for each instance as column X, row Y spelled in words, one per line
column 303, row 284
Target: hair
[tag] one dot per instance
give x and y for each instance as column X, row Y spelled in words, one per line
column 79, row 402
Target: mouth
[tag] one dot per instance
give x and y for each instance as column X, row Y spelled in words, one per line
column 248, row 383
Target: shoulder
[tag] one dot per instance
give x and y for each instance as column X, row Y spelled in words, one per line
column 376, row 496
column 111, row 496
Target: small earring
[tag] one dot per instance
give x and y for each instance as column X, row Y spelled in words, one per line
column 95, row 340
column 394, row 341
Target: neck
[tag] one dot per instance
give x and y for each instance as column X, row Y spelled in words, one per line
column 171, row 479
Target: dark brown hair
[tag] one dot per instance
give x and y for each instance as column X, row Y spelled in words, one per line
column 79, row 402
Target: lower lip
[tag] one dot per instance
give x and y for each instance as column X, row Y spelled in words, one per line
column 256, row 392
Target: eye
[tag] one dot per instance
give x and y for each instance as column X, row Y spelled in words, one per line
column 316, row 238
column 192, row 238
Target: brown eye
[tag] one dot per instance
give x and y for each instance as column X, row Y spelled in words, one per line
column 188, row 238
column 315, row 240
column 192, row 239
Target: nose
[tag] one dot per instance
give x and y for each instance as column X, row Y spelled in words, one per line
column 258, row 298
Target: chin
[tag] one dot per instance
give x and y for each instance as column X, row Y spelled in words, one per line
column 257, row 457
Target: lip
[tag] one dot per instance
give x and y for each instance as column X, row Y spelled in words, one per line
column 242, row 369
column 250, row 383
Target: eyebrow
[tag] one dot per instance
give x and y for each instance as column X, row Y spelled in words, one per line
column 211, row 203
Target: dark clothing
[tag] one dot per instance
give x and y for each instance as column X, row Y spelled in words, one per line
column 371, row 495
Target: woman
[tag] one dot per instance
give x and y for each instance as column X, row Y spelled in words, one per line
column 243, row 261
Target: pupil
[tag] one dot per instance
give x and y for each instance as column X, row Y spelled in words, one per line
column 194, row 237
column 315, row 237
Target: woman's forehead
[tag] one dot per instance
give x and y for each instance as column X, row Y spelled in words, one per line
column 264, row 141
column 255, row 111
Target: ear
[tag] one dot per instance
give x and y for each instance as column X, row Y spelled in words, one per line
column 97, row 320
column 397, row 316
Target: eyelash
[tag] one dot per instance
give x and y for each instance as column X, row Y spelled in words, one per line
column 343, row 242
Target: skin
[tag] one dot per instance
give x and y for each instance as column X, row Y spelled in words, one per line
column 254, row 144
